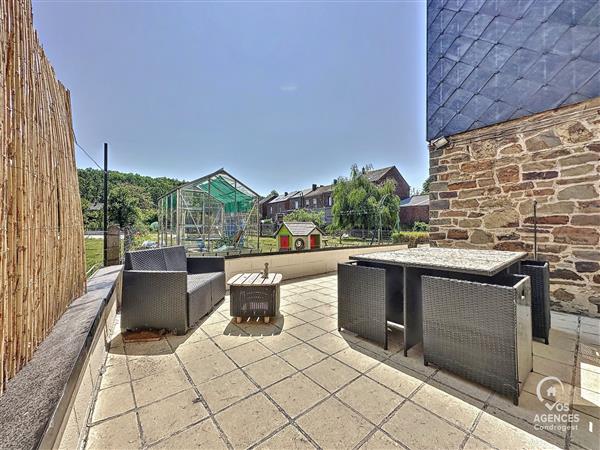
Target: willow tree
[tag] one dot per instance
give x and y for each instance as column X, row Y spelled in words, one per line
column 360, row 203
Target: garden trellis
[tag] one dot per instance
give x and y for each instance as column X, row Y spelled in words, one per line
column 215, row 213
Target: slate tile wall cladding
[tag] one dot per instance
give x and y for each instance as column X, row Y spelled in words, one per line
column 485, row 182
column 493, row 60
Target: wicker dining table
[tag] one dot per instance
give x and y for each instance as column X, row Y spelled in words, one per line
column 400, row 284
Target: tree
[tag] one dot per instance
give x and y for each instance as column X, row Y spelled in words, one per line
column 359, row 203
column 273, row 192
column 426, row 184
column 124, row 207
column 305, row 215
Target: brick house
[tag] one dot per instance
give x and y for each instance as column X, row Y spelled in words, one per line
column 321, row 197
column 414, row 209
column 514, row 118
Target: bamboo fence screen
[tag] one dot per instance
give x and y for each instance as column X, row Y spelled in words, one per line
column 42, row 265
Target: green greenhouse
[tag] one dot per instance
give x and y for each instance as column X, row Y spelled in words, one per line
column 216, row 213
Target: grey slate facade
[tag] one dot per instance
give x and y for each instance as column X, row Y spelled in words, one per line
column 489, row 61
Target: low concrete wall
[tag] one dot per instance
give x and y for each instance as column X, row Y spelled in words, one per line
column 299, row 264
column 72, row 429
column 47, row 403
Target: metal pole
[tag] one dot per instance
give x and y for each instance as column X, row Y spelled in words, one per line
column 535, row 230
column 105, row 245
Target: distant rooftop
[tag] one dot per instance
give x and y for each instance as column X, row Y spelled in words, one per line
column 415, row 200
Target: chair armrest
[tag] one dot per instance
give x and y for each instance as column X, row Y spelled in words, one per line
column 205, row 264
column 154, row 299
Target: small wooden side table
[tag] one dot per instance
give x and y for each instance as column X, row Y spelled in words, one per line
column 252, row 295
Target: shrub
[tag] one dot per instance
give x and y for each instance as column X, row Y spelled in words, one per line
column 404, row 237
column 420, row 226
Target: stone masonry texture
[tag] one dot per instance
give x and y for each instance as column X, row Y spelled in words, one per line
column 485, row 182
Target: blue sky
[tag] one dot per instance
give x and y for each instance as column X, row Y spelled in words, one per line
column 282, row 95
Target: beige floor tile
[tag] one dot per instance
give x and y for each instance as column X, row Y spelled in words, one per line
column 450, row 407
column 587, row 379
column 380, row 441
column 587, row 402
column 331, row 374
column 590, row 339
column 403, row 381
column 196, row 350
column 308, row 315
column 201, row 436
column 503, row 435
column 114, row 375
column 553, row 353
column 548, row 367
column 476, row 444
column 163, row 418
column 143, row 366
column 115, row 359
column 256, row 327
column 158, row 386
column 205, row 369
column 465, row 386
column 250, row 420
column 326, row 310
column 296, row 394
column 587, row 433
column 248, row 353
column 289, row 439
column 529, row 407
column 160, row 347
column 306, row 332
column 359, row 360
column 112, row 402
column 563, row 390
column 120, row 433
column 269, row 370
column 413, row 361
column 332, row 425
column 193, row 335
column 326, row 323
column 291, row 322
column 328, row 343
column 292, row 308
column 302, row 356
column 564, row 341
column 310, row 302
column 215, row 329
column 280, row 342
column 417, row 428
column 370, row 399
column 221, row 392
column 227, row 342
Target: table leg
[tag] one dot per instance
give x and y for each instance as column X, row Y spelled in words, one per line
column 413, row 308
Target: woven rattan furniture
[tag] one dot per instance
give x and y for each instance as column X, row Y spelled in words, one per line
column 539, row 272
column 473, row 265
column 480, row 331
column 369, row 297
column 252, row 295
column 163, row 289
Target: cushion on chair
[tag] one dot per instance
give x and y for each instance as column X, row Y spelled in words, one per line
column 175, row 258
column 217, row 284
column 146, row 260
column 199, row 296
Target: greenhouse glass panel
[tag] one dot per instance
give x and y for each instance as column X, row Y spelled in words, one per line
column 216, row 213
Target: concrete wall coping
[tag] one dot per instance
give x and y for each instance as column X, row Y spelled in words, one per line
column 37, row 399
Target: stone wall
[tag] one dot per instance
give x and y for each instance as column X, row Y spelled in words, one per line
column 485, row 183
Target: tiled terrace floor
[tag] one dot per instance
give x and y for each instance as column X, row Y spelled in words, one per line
column 298, row 383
